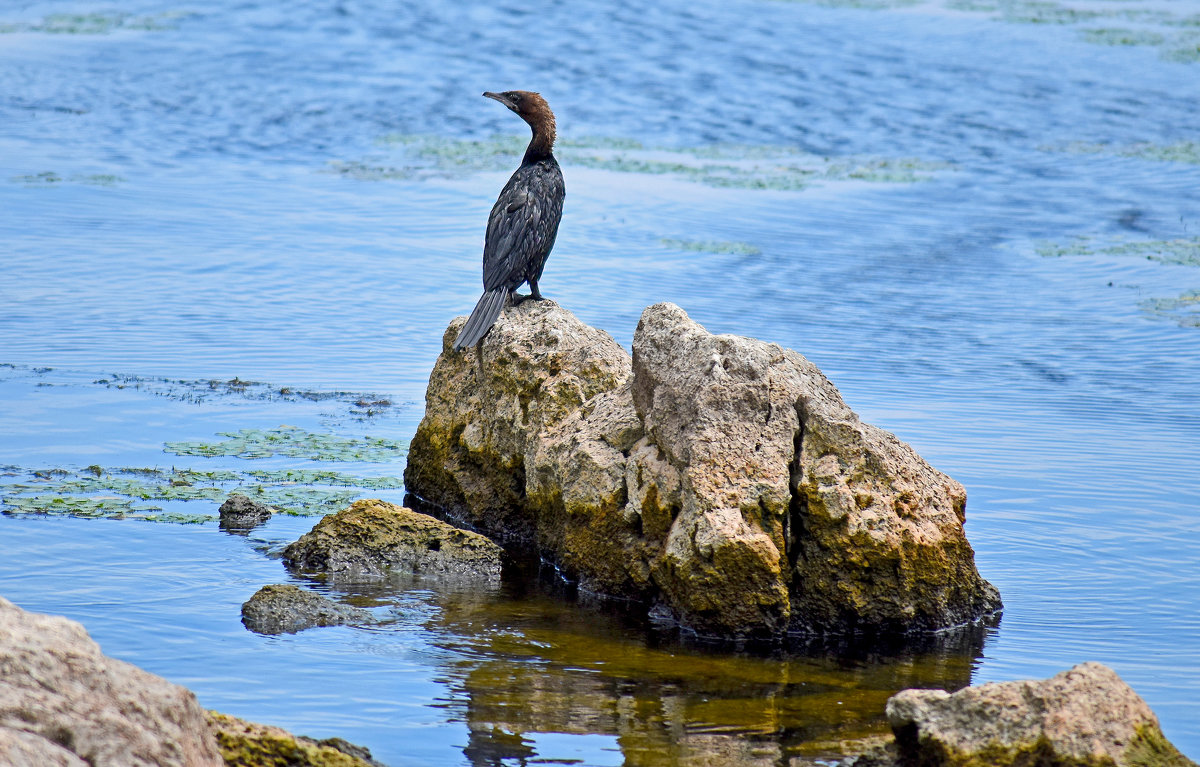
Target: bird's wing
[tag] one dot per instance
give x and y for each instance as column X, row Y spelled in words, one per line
column 516, row 233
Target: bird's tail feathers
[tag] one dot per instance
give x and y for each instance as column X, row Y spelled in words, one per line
column 483, row 316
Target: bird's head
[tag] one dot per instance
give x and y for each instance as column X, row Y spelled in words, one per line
column 531, row 107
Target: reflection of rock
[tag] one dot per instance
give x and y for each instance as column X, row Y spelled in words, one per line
column 246, row 744
column 377, row 538
column 286, row 609
column 719, row 477
column 580, row 670
column 1082, row 717
column 64, row 702
column 240, row 513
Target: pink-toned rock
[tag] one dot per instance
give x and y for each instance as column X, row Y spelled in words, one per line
column 63, row 702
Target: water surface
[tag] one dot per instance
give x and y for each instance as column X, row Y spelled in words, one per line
column 295, row 197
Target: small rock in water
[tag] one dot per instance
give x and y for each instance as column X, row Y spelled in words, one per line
column 374, row 537
column 1084, row 717
column 240, row 513
column 287, row 609
column 248, row 743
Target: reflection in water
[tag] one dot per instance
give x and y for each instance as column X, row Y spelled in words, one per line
column 525, row 661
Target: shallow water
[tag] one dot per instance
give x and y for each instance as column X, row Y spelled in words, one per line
column 292, row 196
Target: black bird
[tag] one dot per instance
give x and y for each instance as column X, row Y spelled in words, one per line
column 524, row 220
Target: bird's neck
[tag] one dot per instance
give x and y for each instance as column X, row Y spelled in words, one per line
column 541, row 146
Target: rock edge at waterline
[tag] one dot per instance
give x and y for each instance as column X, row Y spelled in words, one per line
column 1083, row 717
column 716, row 478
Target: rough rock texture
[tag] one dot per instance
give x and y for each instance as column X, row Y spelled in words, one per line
column 286, row 609
column 376, row 538
column 63, row 702
column 240, row 513
column 246, row 744
column 720, row 477
column 1084, row 716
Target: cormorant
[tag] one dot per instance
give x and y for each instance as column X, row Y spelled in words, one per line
column 524, row 221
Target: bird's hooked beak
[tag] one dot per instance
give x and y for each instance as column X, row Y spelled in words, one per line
column 502, row 99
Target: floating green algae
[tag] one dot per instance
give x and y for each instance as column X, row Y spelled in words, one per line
column 202, row 390
column 712, row 246
column 316, row 477
column 49, row 178
column 97, row 23
column 1181, row 151
column 1185, row 309
column 1184, row 251
column 295, row 443
column 122, row 493
column 779, row 168
column 1107, row 36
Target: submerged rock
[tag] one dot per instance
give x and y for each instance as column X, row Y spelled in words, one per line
column 374, row 537
column 720, row 478
column 240, row 513
column 63, row 702
column 287, row 609
column 246, row 744
column 1084, row 717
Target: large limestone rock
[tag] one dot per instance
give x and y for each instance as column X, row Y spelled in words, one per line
column 1083, row 717
column 63, row 702
column 717, row 477
column 373, row 537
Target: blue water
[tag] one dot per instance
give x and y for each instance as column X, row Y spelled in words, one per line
column 194, row 226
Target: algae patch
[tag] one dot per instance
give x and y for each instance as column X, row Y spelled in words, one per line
column 1184, row 309
column 97, row 23
column 1183, row 251
column 126, row 493
column 295, row 443
column 779, row 168
column 721, row 247
column 1181, row 151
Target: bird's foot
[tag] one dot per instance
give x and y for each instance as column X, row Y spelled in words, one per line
column 519, row 298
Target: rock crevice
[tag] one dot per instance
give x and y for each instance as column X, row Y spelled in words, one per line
column 721, row 479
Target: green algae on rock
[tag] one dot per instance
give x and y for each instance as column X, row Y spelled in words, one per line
column 373, row 537
column 1083, row 717
column 718, row 478
column 247, row 744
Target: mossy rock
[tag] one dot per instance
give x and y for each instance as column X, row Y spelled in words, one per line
column 246, row 744
column 373, row 537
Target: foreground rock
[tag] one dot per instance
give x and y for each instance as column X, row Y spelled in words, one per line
column 1083, row 717
column 286, row 609
column 719, row 478
column 378, row 538
column 246, row 744
column 240, row 513
column 64, row 702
